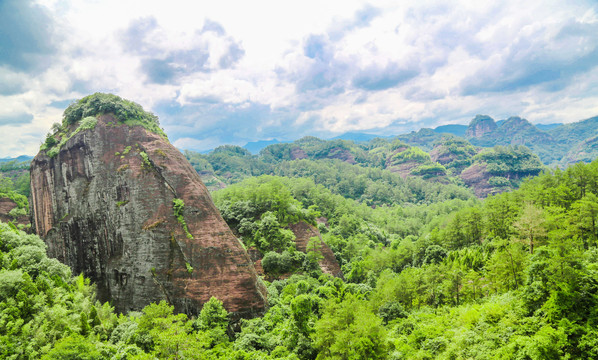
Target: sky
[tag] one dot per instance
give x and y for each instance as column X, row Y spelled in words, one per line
column 231, row 72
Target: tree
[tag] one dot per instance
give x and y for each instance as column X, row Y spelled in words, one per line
column 531, row 225
column 213, row 319
column 584, row 215
column 350, row 330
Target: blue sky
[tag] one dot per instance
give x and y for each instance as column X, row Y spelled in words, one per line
column 230, row 72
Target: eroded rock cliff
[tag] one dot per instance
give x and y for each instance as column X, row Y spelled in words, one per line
column 122, row 205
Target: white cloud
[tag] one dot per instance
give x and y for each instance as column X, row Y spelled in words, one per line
column 383, row 63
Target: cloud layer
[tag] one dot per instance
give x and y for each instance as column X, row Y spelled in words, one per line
column 239, row 72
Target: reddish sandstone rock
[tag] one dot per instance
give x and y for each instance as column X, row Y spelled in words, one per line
column 476, row 177
column 104, row 206
column 6, row 206
column 303, row 232
column 341, row 154
column 297, row 154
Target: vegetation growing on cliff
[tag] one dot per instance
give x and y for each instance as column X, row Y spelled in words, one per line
column 54, row 142
column 85, row 112
column 178, row 206
column 126, row 111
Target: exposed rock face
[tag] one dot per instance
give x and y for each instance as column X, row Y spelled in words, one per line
column 303, row 232
column 6, row 206
column 298, row 153
column 211, row 181
column 454, row 153
column 341, row 154
column 403, row 166
column 476, row 177
column 480, row 125
column 104, row 206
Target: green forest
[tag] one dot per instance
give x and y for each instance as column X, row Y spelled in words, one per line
column 307, row 180
column 430, row 272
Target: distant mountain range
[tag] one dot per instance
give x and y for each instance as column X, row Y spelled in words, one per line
column 484, row 131
column 255, row 147
column 18, row 159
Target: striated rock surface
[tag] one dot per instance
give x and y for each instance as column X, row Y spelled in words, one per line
column 480, row 125
column 303, row 232
column 104, row 206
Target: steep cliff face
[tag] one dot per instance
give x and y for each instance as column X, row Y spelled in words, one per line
column 104, row 206
column 480, row 125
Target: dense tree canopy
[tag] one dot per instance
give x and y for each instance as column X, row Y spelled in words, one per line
column 429, row 271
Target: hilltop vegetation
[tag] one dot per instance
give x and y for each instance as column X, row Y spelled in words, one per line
column 83, row 114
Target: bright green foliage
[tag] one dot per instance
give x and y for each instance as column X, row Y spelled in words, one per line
column 40, row 303
column 427, row 275
column 314, row 252
column 429, row 170
column 212, row 315
column 178, row 205
column 53, row 147
column 350, row 330
column 74, row 347
column 270, row 236
column 85, row 112
column 329, row 163
column 14, row 176
column 285, row 262
column 411, row 154
column 145, row 160
column 126, row 111
column 499, row 181
column 7, row 191
column 516, row 160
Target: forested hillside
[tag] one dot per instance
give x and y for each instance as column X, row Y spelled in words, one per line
column 378, row 171
column 445, row 251
column 513, row 276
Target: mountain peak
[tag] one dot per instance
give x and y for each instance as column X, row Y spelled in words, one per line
column 480, row 125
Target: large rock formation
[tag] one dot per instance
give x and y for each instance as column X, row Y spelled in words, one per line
column 480, row 125
column 106, row 202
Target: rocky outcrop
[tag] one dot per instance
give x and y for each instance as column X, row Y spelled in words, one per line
column 410, row 161
column 298, row 153
column 104, row 206
column 211, row 181
column 476, row 177
column 480, row 125
column 303, row 232
column 9, row 212
column 341, row 154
